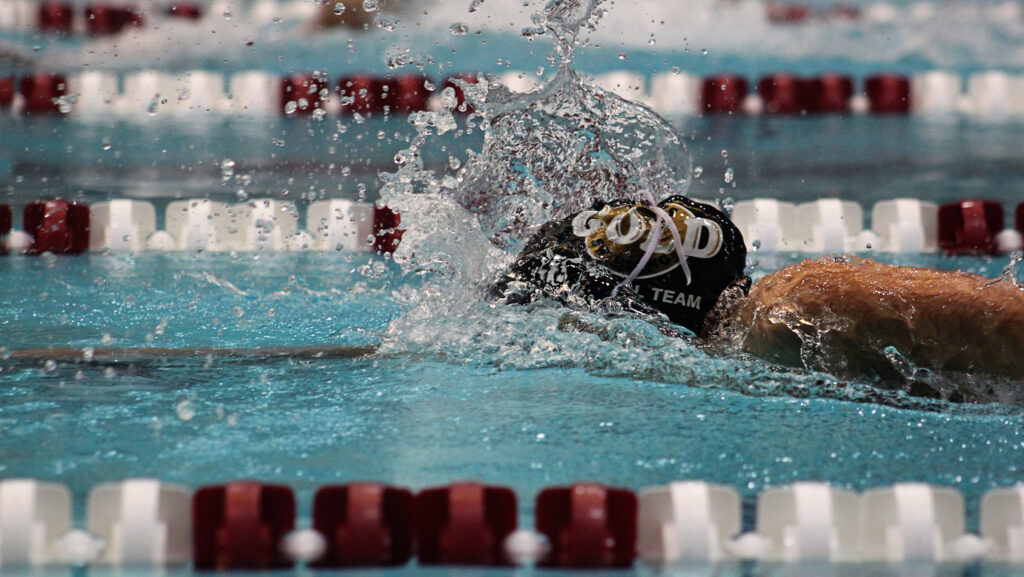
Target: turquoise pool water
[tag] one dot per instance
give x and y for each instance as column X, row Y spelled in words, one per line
column 461, row 389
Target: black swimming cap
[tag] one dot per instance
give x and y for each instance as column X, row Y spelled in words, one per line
column 591, row 253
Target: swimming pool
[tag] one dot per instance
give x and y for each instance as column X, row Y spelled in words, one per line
column 460, row 389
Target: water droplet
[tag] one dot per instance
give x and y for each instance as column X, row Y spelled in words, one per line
column 339, row 8
column 756, row 244
column 370, row 5
column 185, row 410
column 50, row 365
column 290, row 107
column 697, row 171
column 725, row 153
column 458, row 29
column 107, row 339
column 623, row 56
column 728, row 175
column 106, row 144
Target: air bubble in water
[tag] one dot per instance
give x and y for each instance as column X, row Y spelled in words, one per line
column 185, row 410
column 728, row 175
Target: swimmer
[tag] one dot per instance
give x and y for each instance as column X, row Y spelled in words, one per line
column 682, row 262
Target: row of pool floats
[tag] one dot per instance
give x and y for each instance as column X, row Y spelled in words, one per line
column 110, row 18
column 908, row 226
column 251, row 525
column 99, row 95
column 50, row 17
column 798, row 13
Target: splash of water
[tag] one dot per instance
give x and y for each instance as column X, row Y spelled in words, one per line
column 545, row 154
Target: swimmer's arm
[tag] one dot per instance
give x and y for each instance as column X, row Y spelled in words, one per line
column 853, row 310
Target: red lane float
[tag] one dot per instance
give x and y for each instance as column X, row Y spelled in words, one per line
column 970, row 226
column 588, row 525
column 241, row 525
column 362, row 94
column 303, row 93
column 106, row 20
column 888, row 94
column 57, row 226
column 461, row 105
column 464, row 524
column 782, row 13
column 783, row 94
column 830, row 94
column 364, row 524
column 386, row 234
column 723, row 94
column 42, row 93
column 410, row 94
column 185, row 10
column 6, row 222
column 6, row 92
column 56, row 17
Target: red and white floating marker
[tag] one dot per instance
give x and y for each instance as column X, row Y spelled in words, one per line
column 56, row 17
column 829, row 94
column 675, row 94
column 809, row 522
column 723, row 94
column 338, row 225
column 464, row 524
column 185, row 10
column 267, row 224
column 6, row 222
column 828, row 225
column 786, row 13
column 970, row 226
column 254, row 94
column 43, row 94
column 888, row 94
column 687, row 521
column 364, row 524
column 936, row 93
column 200, row 224
column 105, row 20
column 1002, row 524
column 7, row 92
column 303, row 93
column 914, row 522
column 588, row 526
column 783, row 94
column 906, row 225
column 33, row 517
column 141, row 522
column 57, row 226
column 362, row 94
column 767, row 225
column 386, row 233
column 409, row 93
column 241, row 525
column 121, row 225
column 628, row 85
